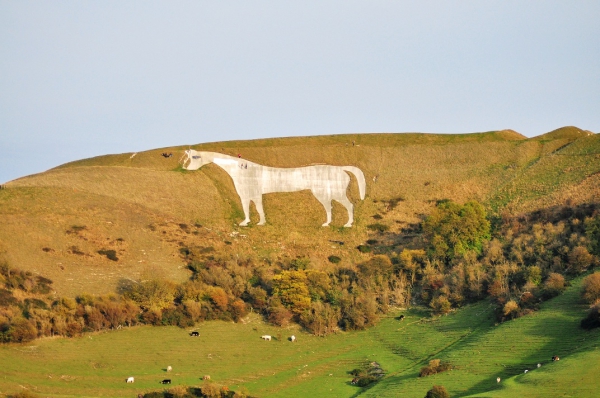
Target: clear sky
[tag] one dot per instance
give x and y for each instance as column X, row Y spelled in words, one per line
column 87, row 78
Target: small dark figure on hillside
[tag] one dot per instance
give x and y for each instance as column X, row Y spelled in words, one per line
column 194, row 334
column 166, row 155
column 400, row 318
column 355, row 380
column 555, row 358
column 166, row 381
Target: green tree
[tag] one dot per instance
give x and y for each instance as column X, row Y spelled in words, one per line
column 453, row 229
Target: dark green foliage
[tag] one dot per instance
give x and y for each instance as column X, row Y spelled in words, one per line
column 437, row 392
column 378, row 227
column 392, row 203
column 366, row 374
column 7, row 299
column 334, row 259
column 372, row 242
column 592, row 230
column 453, row 229
column 76, row 229
column 592, row 320
column 110, row 254
column 364, row 249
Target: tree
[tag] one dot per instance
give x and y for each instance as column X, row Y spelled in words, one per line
column 592, row 230
column 154, row 293
column 591, row 288
column 453, row 229
column 291, row 288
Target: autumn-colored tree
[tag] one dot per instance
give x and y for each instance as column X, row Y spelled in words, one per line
column 154, row 293
column 291, row 288
column 579, row 259
column 591, row 288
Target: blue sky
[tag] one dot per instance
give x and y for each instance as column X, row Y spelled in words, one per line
column 81, row 79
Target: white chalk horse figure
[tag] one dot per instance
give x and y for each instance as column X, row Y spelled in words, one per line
column 252, row 180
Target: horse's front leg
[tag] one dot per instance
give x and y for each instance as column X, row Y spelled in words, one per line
column 259, row 208
column 246, row 208
column 326, row 202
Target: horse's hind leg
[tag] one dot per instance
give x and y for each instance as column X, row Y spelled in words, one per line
column 350, row 208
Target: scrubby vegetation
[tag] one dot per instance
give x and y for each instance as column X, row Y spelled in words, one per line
column 437, row 392
column 518, row 263
column 434, row 366
column 367, row 374
column 208, row 390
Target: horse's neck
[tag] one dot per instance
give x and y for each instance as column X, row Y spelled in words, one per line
column 226, row 162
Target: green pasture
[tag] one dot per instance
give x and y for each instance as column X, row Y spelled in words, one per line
column 233, row 354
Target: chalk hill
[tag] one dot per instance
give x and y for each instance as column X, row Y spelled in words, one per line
column 61, row 223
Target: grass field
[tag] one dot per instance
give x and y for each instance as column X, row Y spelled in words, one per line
column 146, row 208
column 96, row 365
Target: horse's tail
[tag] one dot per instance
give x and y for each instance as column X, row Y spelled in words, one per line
column 360, row 178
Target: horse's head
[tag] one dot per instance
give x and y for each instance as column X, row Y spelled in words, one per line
column 192, row 160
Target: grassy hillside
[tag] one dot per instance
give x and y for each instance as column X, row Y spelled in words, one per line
column 138, row 204
column 480, row 350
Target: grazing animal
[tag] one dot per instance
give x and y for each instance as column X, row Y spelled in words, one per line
column 166, row 155
column 355, row 380
column 266, row 337
column 401, row 318
column 526, row 370
column 539, row 365
column 169, row 368
column 130, row 380
column 293, row 338
column 166, row 381
column 555, row 358
column 252, row 181
column 497, row 380
column 194, row 334
column 206, row 377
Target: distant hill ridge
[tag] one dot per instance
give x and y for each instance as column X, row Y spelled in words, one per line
column 146, row 208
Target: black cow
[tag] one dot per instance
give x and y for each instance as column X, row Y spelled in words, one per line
column 166, row 155
column 401, row 318
column 194, row 334
column 166, row 381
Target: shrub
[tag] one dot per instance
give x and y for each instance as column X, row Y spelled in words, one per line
column 511, row 309
column 334, row 259
column 440, row 305
column 364, row 249
column 435, row 366
column 553, row 286
column 378, row 227
column 437, row 392
column 593, row 318
column 110, row 254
